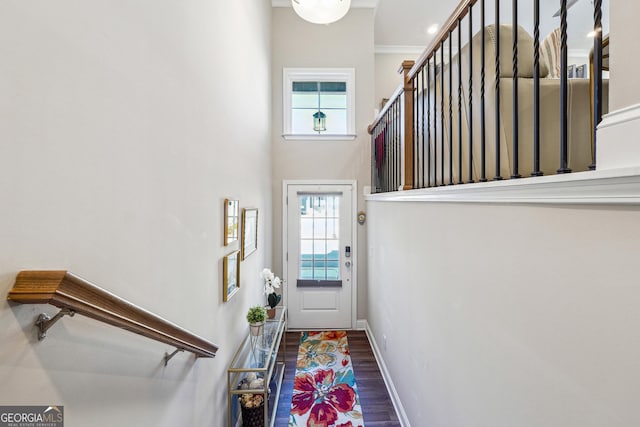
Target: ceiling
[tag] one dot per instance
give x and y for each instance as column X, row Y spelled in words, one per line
column 402, row 24
column 405, row 22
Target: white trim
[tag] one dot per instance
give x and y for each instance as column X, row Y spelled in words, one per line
column 354, row 234
column 294, row 137
column 395, row 398
column 618, row 186
column 621, row 116
column 385, row 49
column 361, row 324
column 355, row 4
column 347, row 75
column 616, row 148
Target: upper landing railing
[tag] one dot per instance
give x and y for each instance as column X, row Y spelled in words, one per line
column 74, row 295
column 489, row 101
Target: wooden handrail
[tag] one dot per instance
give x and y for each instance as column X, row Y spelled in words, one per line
column 396, row 94
column 74, row 295
column 452, row 22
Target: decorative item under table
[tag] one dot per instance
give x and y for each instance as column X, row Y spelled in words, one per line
column 257, row 370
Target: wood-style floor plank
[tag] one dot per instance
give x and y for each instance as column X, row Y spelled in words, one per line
column 376, row 404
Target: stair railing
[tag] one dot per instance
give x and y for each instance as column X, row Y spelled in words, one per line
column 74, row 295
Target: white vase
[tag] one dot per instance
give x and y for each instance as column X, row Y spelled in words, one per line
column 256, row 328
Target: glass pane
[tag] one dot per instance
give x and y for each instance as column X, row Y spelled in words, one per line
column 336, row 122
column 319, row 274
column 305, row 100
column 319, row 249
column 333, row 228
column 306, row 259
column 320, row 228
column 306, row 249
column 333, row 206
column 306, row 228
column 319, row 204
column 302, row 121
column 304, row 87
column 333, row 249
column 332, row 100
column 333, row 270
column 305, row 206
column 306, row 273
column 333, row 86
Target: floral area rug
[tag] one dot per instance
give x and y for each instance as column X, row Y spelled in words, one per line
column 324, row 390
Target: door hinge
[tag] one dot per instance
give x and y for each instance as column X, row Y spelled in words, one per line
column 287, row 256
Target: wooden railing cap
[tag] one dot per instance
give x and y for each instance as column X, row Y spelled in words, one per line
column 75, row 295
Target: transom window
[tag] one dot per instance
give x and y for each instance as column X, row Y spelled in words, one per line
column 318, row 103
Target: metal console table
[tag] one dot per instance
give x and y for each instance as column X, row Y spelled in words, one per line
column 258, row 358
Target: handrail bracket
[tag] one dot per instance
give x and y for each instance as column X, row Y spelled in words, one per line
column 168, row 356
column 44, row 321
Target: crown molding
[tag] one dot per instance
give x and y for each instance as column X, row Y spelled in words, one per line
column 577, row 53
column 354, row 3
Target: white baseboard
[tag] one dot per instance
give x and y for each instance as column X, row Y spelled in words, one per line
column 395, row 399
column 361, row 325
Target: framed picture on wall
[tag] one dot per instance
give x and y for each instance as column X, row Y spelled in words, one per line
column 230, row 275
column 231, row 219
column 249, row 232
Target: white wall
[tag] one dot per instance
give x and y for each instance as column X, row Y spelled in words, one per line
column 624, row 85
column 387, row 77
column 123, row 127
column 346, row 43
column 499, row 315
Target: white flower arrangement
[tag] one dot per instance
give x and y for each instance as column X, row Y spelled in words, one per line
column 271, row 283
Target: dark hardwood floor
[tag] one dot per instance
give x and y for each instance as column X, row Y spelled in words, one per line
column 376, row 404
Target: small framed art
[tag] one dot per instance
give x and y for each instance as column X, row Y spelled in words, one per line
column 249, row 231
column 231, row 219
column 230, row 275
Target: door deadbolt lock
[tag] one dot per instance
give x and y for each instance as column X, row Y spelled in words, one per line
column 347, row 264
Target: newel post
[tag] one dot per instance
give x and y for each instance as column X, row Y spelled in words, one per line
column 408, row 126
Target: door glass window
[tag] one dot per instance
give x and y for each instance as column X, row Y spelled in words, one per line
column 319, row 237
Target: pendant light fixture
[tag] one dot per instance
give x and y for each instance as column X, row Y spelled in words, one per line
column 321, row 11
column 319, row 121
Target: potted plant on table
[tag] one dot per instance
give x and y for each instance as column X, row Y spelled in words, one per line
column 271, row 283
column 256, row 317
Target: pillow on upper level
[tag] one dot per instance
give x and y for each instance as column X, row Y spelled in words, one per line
column 550, row 52
column 525, row 51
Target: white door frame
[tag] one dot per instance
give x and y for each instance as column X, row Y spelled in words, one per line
column 354, row 236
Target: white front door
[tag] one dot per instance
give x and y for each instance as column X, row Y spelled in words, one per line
column 319, row 255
